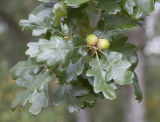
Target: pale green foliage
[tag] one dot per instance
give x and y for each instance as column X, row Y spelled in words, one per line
column 82, row 72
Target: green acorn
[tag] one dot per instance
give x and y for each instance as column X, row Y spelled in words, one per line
column 103, row 44
column 92, row 40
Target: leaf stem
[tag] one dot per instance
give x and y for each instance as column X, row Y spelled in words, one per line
column 99, row 66
column 36, row 66
column 51, row 47
column 58, row 32
column 104, row 31
column 106, row 57
column 49, row 28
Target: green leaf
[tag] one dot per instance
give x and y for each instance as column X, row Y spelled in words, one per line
column 115, row 37
column 77, row 93
column 129, row 6
column 21, row 67
column 111, row 67
column 110, row 6
column 138, row 13
column 147, row 6
column 78, row 22
column 117, row 68
column 137, row 89
column 117, row 22
column 87, row 100
column 40, row 21
column 70, row 93
column 99, row 74
column 129, row 52
column 70, row 72
column 38, row 101
column 55, row 51
column 33, row 78
column 75, row 3
column 52, row 52
column 17, row 100
column 60, row 10
column 65, row 29
column 93, row 14
column 74, row 70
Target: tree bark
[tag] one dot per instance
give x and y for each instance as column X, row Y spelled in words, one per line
column 83, row 116
column 134, row 111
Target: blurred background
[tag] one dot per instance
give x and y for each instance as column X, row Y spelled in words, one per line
column 124, row 109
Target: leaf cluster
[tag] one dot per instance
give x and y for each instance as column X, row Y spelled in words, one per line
column 61, row 54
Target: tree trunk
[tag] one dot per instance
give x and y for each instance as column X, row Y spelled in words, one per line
column 134, row 111
column 83, row 116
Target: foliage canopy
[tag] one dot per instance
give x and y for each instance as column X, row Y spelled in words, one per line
column 81, row 73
